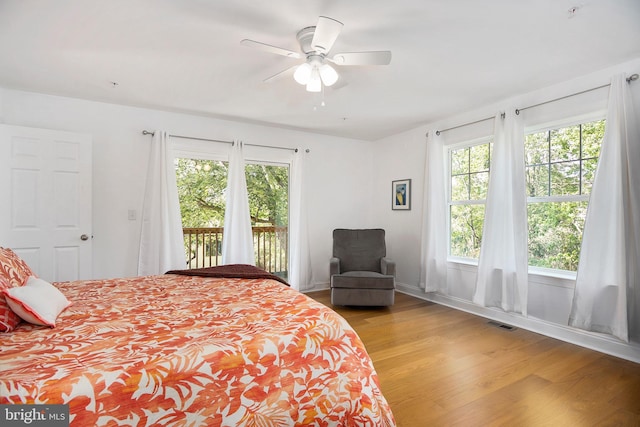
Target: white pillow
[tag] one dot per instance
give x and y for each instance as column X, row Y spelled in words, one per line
column 37, row 302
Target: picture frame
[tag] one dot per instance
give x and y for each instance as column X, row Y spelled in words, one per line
column 401, row 195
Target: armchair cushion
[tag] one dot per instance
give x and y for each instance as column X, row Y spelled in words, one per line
column 359, row 250
column 362, row 280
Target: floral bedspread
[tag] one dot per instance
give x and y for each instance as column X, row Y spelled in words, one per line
column 181, row 350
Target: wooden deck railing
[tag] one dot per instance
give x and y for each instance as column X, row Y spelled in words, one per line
column 203, row 247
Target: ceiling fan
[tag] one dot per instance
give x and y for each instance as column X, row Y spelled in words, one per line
column 316, row 43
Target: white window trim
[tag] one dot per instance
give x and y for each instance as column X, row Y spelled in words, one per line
column 559, row 199
column 458, row 260
column 566, row 122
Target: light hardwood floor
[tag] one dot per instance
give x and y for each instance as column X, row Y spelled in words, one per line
column 443, row 367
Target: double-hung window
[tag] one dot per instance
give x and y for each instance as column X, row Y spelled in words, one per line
column 468, row 184
column 560, row 168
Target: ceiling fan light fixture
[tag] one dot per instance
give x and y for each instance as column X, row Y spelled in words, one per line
column 316, row 43
column 328, row 74
column 303, row 73
column 314, row 84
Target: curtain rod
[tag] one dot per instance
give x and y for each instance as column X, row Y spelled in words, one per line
column 629, row 80
column 438, row 132
column 146, row 132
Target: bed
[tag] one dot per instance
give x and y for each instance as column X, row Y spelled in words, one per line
column 181, row 349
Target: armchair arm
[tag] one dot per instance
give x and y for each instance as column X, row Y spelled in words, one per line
column 334, row 266
column 387, row 266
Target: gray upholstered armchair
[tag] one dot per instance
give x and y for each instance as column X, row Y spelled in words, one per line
column 361, row 275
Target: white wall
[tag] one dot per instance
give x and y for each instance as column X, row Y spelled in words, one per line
column 339, row 181
column 349, row 182
column 403, row 155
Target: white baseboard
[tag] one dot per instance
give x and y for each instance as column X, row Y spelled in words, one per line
column 593, row 341
column 317, row 287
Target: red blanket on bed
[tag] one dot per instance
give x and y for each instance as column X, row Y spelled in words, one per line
column 238, row 271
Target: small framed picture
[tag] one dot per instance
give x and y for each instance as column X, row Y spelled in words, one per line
column 401, row 193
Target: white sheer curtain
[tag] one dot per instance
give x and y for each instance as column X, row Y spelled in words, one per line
column 237, row 239
column 607, row 289
column 502, row 268
column 161, row 241
column 300, row 267
column 433, row 259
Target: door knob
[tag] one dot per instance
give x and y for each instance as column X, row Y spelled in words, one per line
column 84, row 237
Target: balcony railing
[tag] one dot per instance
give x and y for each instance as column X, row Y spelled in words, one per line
column 203, row 247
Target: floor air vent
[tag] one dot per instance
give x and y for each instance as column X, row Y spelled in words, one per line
column 502, row 325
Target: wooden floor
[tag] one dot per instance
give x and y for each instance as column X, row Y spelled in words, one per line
column 440, row 367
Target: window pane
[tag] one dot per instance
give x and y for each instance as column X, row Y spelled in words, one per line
column 565, row 144
column 201, row 191
column 479, row 158
column 592, row 134
column 555, row 234
column 478, row 185
column 588, row 173
column 460, row 161
column 536, row 148
column 538, row 181
column 466, row 230
column 268, row 191
column 460, row 187
column 565, row 178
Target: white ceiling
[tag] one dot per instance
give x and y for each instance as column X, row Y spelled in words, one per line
column 449, row 56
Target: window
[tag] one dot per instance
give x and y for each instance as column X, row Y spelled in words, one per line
column 201, row 190
column 560, row 168
column 468, row 184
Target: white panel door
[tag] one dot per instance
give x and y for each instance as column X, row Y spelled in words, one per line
column 45, row 200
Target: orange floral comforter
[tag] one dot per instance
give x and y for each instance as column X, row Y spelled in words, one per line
column 180, row 350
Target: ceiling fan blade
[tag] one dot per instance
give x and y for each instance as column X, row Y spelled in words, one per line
column 325, row 34
column 382, row 57
column 282, row 73
column 268, row 48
